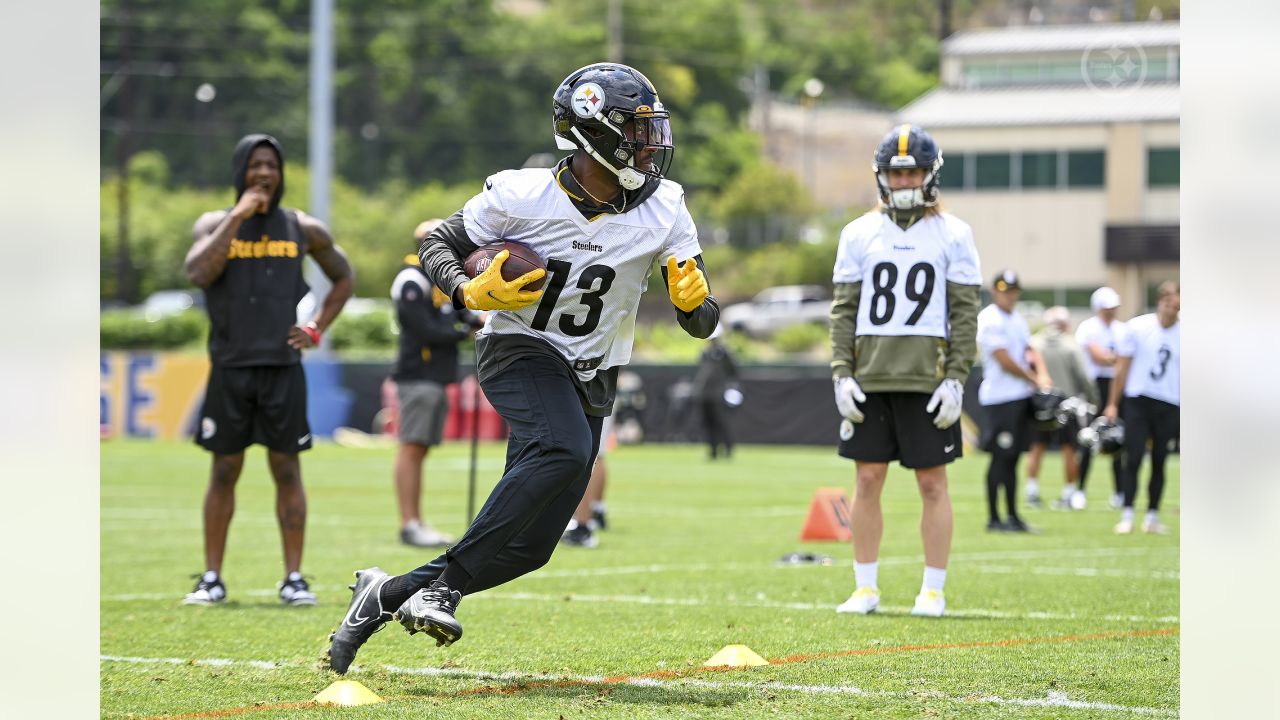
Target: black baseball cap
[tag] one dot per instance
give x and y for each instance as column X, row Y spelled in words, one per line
column 1006, row 280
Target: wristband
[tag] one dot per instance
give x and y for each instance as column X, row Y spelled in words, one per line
column 312, row 332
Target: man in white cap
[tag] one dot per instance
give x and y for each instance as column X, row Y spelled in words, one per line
column 1099, row 336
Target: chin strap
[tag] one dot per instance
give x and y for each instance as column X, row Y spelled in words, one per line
column 628, row 177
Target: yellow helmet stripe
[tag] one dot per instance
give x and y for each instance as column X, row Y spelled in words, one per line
column 904, row 135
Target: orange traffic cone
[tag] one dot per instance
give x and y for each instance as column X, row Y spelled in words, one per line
column 828, row 516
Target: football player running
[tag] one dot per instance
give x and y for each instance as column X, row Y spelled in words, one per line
column 903, row 326
column 548, row 360
column 1148, row 376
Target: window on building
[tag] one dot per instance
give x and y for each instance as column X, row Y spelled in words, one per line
column 1162, row 167
column 992, row 171
column 1039, row 169
column 1086, row 168
column 953, row 169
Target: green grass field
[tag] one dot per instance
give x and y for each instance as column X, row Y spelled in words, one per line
column 1074, row 622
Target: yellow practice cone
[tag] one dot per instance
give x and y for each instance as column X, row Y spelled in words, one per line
column 736, row 656
column 347, row 692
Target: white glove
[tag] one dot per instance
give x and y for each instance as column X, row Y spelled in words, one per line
column 848, row 395
column 946, row 400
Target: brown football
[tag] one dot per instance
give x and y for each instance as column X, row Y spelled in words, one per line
column 522, row 260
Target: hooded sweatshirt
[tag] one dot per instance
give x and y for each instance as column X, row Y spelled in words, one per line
column 253, row 304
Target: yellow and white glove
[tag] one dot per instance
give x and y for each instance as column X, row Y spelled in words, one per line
column 686, row 285
column 848, row 395
column 488, row 291
column 947, row 400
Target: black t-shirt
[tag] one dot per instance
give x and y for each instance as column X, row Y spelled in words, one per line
column 254, row 303
column 429, row 333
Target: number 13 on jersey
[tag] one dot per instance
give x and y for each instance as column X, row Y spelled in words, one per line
column 595, row 281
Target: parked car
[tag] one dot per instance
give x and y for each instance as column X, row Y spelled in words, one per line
column 775, row 308
column 163, row 303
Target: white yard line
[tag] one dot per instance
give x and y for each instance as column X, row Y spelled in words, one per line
column 757, row 602
column 1054, row 699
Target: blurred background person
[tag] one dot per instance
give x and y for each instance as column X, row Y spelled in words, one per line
column 716, row 374
column 1099, row 336
column 589, row 517
column 248, row 259
column 427, row 361
column 1012, row 370
column 1148, row 383
column 1065, row 365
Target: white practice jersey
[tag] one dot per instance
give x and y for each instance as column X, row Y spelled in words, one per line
column 1156, row 370
column 904, row 273
column 998, row 330
column 596, row 269
column 1108, row 337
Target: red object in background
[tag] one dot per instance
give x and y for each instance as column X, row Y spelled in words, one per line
column 458, row 425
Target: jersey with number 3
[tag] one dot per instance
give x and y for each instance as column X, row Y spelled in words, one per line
column 597, row 268
column 904, row 273
column 1156, row 351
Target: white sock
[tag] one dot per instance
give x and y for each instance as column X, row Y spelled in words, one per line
column 934, row 578
column 864, row 574
column 597, row 506
column 210, row 576
column 1033, row 486
column 1127, row 514
column 1068, row 490
column 1151, row 517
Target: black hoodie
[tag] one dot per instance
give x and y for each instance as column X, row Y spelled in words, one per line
column 254, row 302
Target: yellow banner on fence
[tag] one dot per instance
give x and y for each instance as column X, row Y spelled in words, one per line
column 151, row 394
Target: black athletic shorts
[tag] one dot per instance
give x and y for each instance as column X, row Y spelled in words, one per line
column 266, row 405
column 1006, row 426
column 896, row 427
column 1058, row 437
column 1151, row 420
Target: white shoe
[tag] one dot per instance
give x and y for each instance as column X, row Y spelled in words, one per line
column 1124, row 527
column 1117, row 501
column 1155, row 527
column 929, row 603
column 419, row 535
column 863, row 600
column 1078, row 500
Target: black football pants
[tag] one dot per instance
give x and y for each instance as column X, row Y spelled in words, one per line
column 550, row 450
column 1147, row 419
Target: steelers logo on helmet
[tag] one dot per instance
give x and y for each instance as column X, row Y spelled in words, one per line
column 612, row 113
column 588, row 99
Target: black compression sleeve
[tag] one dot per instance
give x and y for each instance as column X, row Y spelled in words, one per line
column 443, row 251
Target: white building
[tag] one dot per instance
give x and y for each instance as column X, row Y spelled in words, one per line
column 1061, row 146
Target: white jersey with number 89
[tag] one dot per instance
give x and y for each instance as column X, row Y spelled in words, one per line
column 596, row 268
column 904, row 273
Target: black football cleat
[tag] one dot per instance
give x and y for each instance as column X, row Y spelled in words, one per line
column 431, row 611
column 364, row 617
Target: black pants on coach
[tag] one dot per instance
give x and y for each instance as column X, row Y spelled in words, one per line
column 550, row 450
column 715, row 425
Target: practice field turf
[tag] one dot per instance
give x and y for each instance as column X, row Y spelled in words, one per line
column 1074, row 622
